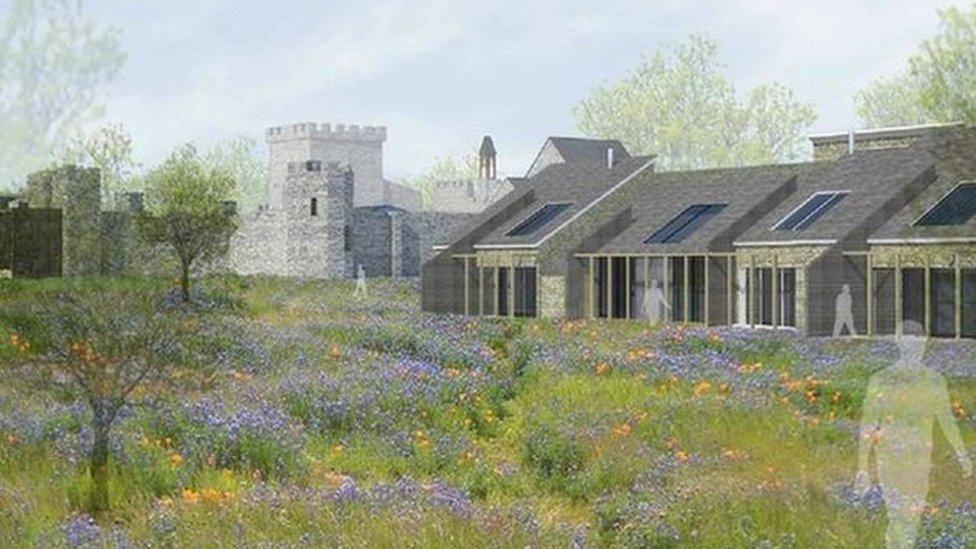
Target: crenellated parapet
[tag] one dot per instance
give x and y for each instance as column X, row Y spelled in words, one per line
column 327, row 132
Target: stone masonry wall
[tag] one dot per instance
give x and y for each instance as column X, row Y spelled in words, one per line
column 77, row 193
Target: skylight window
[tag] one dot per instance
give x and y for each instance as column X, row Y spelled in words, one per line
column 955, row 208
column 810, row 211
column 538, row 219
column 685, row 223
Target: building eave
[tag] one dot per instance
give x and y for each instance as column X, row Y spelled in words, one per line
column 784, row 243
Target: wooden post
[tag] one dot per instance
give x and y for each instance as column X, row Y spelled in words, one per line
column 729, row 315
column 511, row 287
column 869, row 282
column 928, row 298
column 686, row 297
column 647, row 279
column 666, row 288
column 481, row 290
column 609, row 288
column 775, row 292
column 899, row 314
column 627, row 289
column 958, row 300
column 592, row 294
column 705, row 305
column 752, row 291
column 538, row 290
column 498, row 278
column 467, row 289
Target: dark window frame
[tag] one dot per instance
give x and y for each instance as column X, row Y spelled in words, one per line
column 949, row 205
column 810, row 211
column 538, row 219
column 685, row 223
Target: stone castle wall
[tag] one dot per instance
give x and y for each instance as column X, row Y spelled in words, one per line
column 77, row 193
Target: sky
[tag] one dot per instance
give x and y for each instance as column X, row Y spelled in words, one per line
column 441, row 74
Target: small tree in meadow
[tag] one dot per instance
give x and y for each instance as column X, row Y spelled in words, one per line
column 186, row 210
column 108, row 347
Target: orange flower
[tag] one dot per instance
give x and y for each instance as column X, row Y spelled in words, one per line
column 602, row 368
column 702, row 388
column 622, row 430
column 190, row 496
column 335, row 352
column 176, row 460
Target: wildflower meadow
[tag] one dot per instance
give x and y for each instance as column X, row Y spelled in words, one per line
column 298, row 415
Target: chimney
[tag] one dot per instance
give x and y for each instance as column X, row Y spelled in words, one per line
column 609, row 158
column 850, row 141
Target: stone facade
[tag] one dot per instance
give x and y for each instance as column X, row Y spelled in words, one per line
column 308, row 236
column 77, row 193
column 467, row 196
column 938, row 256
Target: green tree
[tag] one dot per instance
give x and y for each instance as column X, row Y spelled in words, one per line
column 186, row 211
column 239, row 157
column 104, row 346
column 939, row 85
column 678, row 105
column 110, row 150
column 462, row 167
column 54, row 65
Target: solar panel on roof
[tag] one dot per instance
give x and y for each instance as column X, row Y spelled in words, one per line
column 810, row 211
column 536, row 221
column 956, row 208
column 685, row 223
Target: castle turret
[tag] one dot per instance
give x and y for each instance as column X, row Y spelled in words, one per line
column 360, row 147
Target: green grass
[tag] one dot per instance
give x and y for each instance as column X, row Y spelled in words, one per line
column 610, row 441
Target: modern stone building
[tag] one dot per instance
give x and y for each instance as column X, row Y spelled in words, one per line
column 891, row 214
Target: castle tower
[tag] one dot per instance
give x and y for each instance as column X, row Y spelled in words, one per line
column 361, row 148
column 317, row 219
column 487, row 160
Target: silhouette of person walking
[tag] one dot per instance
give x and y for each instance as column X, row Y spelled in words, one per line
column 843, row 315
column 655, row 304
column 360, row 282
column 901, row 405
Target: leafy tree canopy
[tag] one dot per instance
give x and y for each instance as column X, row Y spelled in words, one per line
column 678, row 105
column 939, row 85
column 54, row 65
column 461, row 167
column 186, row 211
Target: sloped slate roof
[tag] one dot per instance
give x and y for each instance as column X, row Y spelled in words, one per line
column 666, row 195
column 582, row 151
column 953, row 152
column 578, row 185
column 874, row 179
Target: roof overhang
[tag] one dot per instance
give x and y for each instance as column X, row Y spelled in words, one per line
column 924, row 240
column 785, row 243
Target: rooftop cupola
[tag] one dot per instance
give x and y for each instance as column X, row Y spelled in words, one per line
column 487, row 160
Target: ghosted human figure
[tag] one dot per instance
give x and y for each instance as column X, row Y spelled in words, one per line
column 843, row 315
column 654, row 303
column 360, row 282
column 902, row 403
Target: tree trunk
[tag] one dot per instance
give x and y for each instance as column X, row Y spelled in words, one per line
column 185, row 283
column 98, row 501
